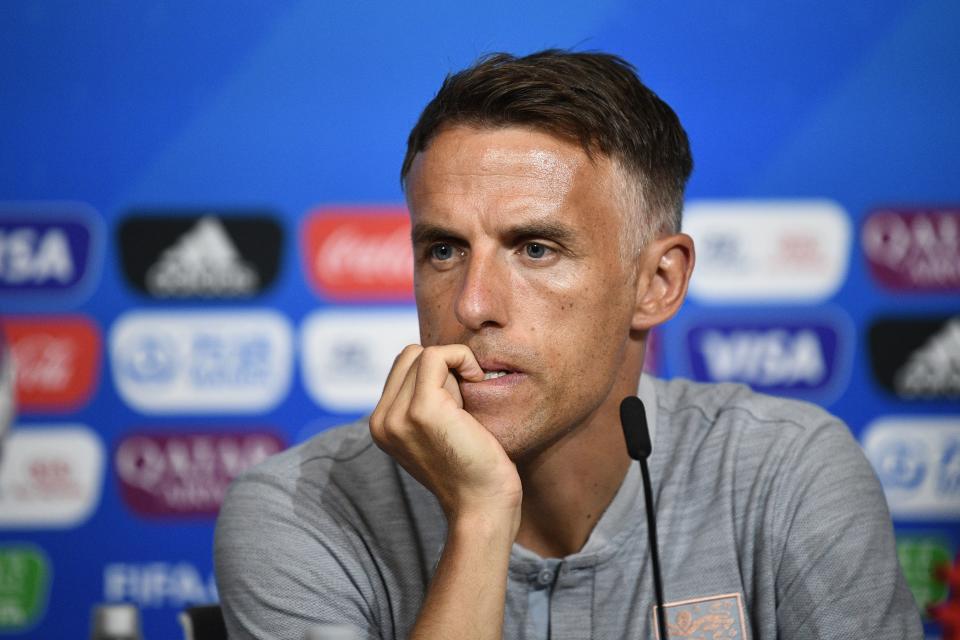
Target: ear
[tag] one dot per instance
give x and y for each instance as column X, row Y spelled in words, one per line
column 665, row 268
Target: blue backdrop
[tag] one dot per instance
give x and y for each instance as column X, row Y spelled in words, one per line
column 296, row 113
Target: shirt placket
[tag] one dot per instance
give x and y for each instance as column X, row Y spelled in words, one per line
column 571, row 603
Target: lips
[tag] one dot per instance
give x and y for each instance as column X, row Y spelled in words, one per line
column 496, row 369
column 503, row 382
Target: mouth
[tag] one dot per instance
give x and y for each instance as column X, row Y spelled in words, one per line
column 502, row 382
column 496, row 369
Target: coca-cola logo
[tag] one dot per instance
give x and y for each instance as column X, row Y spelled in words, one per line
column 57, row 360
column 186, row 474
column 357, row 253
column 914, row 248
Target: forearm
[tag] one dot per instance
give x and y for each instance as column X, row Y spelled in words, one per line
column 466, row 596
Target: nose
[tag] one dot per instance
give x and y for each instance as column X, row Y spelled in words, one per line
column 483, row 299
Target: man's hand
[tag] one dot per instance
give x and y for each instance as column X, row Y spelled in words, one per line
column 421, row 423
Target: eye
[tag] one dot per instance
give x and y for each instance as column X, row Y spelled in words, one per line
column 536, row 250
column 442, row 251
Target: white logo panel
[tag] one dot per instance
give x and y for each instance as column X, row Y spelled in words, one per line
column 768, row 251
column 348, row 354
column 50, row 476
column 918, row 462
column 180, row 362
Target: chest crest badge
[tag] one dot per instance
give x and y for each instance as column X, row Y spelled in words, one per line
column 718, row 617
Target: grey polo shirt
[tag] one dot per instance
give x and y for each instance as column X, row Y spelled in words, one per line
column 771, row 521
column 542, row 572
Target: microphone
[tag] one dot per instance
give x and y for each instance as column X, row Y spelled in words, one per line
column 633, row 419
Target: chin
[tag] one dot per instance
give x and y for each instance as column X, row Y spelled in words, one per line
column 520, row 437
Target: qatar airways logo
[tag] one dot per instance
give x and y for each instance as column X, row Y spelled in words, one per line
column 186, row 474
column 57, row 360
column 805, row 358
column 918, row 462
column 768, row 251
column 914, row 249
column 359, row 253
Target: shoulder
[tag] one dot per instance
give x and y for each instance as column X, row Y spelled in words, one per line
column 338, row 470
column 343, row 444
column 736, row 406
column 779, row 451
column 755, row 424
column 334, row 515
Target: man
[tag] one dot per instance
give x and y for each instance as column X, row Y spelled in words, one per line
column 491, row 494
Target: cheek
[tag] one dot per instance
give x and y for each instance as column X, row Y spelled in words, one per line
column 581, row 320
column 569, row 297
column 431, row 309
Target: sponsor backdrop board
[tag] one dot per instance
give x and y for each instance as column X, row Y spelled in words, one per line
column 204, row 257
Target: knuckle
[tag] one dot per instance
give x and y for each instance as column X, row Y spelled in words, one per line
column 393, row 423
column 419, row 411
column 409, row 350
column 376, row 420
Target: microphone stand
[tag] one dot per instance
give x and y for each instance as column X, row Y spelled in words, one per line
column 633, row 419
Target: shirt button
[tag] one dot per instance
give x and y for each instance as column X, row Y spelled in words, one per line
column 545, row 577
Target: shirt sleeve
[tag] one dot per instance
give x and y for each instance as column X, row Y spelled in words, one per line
column 280, row 570
column 837, row 576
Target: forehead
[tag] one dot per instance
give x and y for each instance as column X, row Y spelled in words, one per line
column 508, row 170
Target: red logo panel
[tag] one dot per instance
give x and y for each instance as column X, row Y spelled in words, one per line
column 359, row 253
column 57, row 361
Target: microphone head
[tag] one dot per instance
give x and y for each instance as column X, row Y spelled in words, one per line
column 633, row 419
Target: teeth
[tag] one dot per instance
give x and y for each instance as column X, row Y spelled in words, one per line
column 490, row 375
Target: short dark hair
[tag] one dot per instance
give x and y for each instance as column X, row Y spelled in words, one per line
column 594, row 99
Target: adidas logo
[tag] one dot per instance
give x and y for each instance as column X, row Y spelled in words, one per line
column 933, row 370
column 204, row 262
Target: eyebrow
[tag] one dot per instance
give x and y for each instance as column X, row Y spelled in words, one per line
column 546, row 229
column 426, row 233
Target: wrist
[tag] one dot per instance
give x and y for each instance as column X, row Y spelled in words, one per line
column 488, row 527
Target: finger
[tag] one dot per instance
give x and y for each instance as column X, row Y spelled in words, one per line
column 394, row 382
column 399, row 409
column 437, row 362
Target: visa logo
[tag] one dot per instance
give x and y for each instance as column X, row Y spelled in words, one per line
column 785, row 358
column 47, row 253
column 29, row 256
column 766, row 358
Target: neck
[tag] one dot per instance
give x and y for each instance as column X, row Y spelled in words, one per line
column 568, row 486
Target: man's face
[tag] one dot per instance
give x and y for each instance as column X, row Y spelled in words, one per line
column 517, row 255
